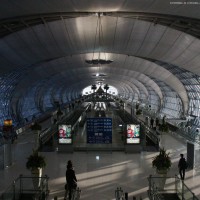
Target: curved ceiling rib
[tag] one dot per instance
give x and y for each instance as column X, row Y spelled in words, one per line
column 184, row 24
column 10, row 9
column 137, row 78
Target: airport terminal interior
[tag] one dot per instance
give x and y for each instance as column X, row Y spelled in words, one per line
column 110, row 85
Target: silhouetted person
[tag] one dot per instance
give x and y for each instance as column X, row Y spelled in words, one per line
column 71, row 179
column 182, row 166
column 147, row 120
column 152, row 122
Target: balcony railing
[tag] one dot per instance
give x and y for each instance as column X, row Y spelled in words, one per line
column 22, row 188
column 161, row 188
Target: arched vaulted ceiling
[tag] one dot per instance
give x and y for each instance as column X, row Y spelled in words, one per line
column 50, row 41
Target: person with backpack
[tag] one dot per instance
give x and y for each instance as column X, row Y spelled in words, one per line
column 182, row 165
column 71, row 180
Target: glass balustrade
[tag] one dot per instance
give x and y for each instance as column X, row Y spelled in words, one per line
column 23, row 188
column 161, row 188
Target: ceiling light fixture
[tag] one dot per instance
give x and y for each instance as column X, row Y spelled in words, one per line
column 99, row 34
column 98, row 61
column 99, row 75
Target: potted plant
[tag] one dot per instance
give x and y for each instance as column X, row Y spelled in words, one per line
column 36, row 163
column 162, row 163
column 106, row 87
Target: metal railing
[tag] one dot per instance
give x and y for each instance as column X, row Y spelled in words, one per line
column 160, row 186
column 119, row 194
column 23, row 188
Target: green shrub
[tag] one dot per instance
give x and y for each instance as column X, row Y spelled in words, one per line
column 35, row 161
column 162, row 161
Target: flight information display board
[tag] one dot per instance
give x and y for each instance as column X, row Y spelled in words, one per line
column 99, row 130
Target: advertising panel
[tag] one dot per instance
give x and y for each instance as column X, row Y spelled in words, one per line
column 133, row 134
column 65, row 134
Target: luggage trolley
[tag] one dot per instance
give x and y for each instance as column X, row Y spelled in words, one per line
column 76, row 194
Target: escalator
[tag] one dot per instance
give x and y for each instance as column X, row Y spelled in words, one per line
column 150, row 145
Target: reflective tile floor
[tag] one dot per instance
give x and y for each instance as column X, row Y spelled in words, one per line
column 99, row 173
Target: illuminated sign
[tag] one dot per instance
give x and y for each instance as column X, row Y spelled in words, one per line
column 133, row 134
column 7, row 122
column 132, row 140
column 65, row 141
column 65, row 134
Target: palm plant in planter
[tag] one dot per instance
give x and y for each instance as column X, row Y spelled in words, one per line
column 106, row 87
column 162, row 163
column 93, row 87
column 36, row 163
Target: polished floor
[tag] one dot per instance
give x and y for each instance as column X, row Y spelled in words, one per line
column 100, row 173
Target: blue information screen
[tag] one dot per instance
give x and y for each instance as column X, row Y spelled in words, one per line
column 99, row 130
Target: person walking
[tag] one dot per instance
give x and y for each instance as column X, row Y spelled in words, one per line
column 71, row 180
column 182, row 165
